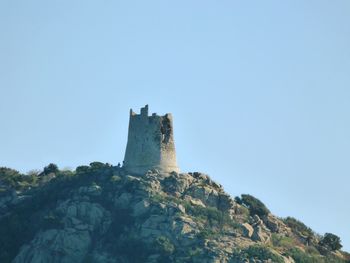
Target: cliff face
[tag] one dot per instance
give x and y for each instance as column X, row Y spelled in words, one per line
column 101, row 213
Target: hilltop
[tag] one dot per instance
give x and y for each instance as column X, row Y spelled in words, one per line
column 102, row 213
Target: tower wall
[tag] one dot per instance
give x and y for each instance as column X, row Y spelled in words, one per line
column 150, row 143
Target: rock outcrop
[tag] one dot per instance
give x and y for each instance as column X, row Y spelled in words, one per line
column 107, row 215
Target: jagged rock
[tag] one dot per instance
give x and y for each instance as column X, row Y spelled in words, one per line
column 177, row 183
column 201, row 192
column 248, row 230
column 257, row 221
column 78, row 213
column 260, row 235
column 204, row 193
column 275, row 225
column 181, row 208
column 153, row 258
column 194, row 201
column 184, row 225
column 141, row 208
column 7, row 199
column 288, row 259
column 63, row 246
column 153, row 225
column 71, row 243
column 103, row 257
column 174, row 208
column 93, row 190
column 192, row 214
column 123, row 200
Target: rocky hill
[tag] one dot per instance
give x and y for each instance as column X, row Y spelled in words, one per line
column 100, row 213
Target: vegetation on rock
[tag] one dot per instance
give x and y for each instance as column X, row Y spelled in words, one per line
column 101, row 213
column 298, row 227
column 255, row 206
column 331, row 241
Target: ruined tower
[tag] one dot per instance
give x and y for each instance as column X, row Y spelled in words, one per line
column 150, row 143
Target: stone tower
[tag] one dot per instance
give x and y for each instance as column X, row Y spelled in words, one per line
column 150, row 143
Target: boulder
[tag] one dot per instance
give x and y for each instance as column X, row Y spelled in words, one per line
column 93, row 190
column 63, row 246
column 184, row 225
column 141, row 208
column 248, row 230
column 123, row 201
column 84, row 215
column 194, row 201
column 260, row 235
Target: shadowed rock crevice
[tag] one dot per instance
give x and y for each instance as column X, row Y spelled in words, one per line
column 166, row 129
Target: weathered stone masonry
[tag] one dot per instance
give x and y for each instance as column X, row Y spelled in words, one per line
column 150, row 143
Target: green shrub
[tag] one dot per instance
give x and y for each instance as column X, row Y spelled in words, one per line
column 282, row 241
column 65, row 173
column 298, row 227
column 116, row 178
column 301, row 257
column 82, row 169
column 238, row 200
column 97, row 165
column 242, row 210
column 51, row 168
column 255, row 206
column 31, row 179
column 193, row 253
column 10, row 177
column 311, row 250
column 259, row 252
column 210, row 214
column 205, row 234
column 132, row 248
column 331, row 241
column 164, row 246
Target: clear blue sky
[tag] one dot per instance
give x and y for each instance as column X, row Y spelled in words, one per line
column 259, row 90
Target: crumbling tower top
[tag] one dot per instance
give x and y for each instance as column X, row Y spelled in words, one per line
column 150, row 143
